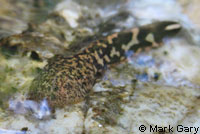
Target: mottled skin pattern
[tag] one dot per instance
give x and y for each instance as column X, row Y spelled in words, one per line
column 68, row 80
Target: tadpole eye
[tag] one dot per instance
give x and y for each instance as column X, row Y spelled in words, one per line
column 34, row 55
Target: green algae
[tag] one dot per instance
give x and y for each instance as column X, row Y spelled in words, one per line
column 109, row 104
column 16, row 73
column 6, row 88
column 108, row 112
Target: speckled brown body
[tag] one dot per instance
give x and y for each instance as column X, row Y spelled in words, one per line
column 67, row 80
column 60, row 76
